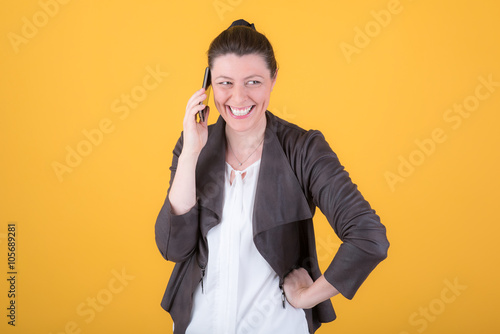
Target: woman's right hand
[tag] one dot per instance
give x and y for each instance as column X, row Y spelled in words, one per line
column 195, row 132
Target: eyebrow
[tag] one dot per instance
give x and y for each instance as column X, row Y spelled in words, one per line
column 250, row 76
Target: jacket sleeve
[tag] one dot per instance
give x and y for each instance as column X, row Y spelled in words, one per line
column 364, row 241
column 176, row 235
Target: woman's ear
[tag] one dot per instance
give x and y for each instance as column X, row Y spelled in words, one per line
column 274, row 79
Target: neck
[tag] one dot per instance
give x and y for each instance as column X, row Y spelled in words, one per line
column 244, row 148
column 244, row 141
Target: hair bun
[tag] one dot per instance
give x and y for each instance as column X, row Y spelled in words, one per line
column 243, row 23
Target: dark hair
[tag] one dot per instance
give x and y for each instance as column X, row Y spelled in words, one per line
column 242, row 40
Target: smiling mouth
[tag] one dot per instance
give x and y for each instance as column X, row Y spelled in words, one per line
column 241, row 111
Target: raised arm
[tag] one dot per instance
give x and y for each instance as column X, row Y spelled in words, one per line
column 177, row 223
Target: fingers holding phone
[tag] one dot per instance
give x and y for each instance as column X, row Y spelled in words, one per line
column 203, row 114
column 196, row 117
column 197, row 105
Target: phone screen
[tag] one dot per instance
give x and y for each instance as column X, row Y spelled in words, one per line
column 208, row 87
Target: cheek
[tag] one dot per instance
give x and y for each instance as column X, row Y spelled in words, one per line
column 220, row 98
column 261, row 96
column 219, row 95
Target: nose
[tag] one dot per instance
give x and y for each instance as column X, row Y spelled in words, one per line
column 239, row 93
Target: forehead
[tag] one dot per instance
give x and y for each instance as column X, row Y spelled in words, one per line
column 234, row 66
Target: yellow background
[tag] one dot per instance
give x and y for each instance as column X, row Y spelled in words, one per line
column 76, row 234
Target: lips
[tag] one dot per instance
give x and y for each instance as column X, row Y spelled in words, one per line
column 240, row 112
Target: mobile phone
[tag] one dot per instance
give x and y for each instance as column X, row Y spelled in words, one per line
column 207, row 86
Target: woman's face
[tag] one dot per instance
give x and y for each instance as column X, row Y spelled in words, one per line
column 242, row 88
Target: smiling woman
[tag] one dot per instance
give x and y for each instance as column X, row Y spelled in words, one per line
column 237, row 219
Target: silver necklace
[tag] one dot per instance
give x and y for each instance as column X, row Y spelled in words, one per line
column 242, row 162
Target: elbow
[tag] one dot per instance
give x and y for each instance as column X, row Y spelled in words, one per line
column 175, row 249
column 176, row 235
column 178, row 257
column 177, row 254
column 175, row 243
column 381, row 250
column 379, row 243
column 380, row 246
column 374, row 244
column 161, row 243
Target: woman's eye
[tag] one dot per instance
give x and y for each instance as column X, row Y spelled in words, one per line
column 253, row 82
column 225, row 83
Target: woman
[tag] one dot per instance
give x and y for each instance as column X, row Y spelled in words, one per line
column 238, row 215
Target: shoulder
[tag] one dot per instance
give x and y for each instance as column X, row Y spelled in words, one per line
column 294, row 139
column 282, row 127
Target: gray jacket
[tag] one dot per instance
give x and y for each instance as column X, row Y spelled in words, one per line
column 298, row 173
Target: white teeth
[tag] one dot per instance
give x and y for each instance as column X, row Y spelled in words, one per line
column 240, row 112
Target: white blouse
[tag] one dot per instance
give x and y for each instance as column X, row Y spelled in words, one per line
column 241, row 291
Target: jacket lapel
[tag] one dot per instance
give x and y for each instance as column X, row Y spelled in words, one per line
column 210, row 176
column 279, row 197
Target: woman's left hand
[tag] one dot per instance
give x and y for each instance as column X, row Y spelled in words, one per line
column 295, row 285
